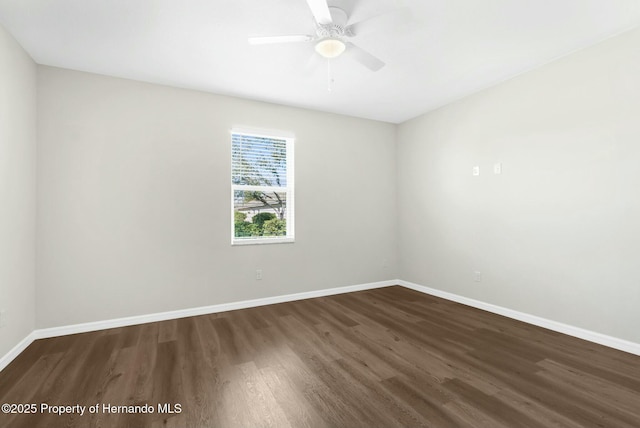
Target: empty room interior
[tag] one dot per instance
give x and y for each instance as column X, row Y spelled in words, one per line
column 310, row 213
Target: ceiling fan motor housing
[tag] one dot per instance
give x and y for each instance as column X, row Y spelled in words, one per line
column 338, row 28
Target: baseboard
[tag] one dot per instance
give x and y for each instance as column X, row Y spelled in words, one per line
column 591, row 336
column 203, row 310
column 16, row 350
column 163, row 316
column 602, row 339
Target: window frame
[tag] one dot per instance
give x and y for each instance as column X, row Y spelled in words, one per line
column 288, row 189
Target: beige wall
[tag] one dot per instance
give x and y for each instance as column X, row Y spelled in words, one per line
column 17, row 191
column 134, row 194
column 557, row 234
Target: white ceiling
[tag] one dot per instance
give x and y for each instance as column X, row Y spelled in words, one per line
column 448, row 48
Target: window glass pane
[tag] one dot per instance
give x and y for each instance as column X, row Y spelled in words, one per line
column 258, row 161
column 257, row 213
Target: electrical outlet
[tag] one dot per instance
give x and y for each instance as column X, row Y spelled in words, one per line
column 258, row 274
column 477, row 276
column 3, row 318
column 497, row 168
column 476, row 170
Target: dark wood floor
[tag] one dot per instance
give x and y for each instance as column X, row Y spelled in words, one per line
column 380, row 358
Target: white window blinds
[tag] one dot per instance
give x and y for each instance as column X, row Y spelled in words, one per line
column 259, row 161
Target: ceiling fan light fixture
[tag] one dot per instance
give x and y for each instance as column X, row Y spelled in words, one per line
column 330, row 47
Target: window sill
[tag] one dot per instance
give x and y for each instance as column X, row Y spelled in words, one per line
column 262, row 241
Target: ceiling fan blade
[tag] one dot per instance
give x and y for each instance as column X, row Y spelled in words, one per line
column 364, row 57
column 386, row 22
column 320, row 11
column 313, row 64
column 280, row 39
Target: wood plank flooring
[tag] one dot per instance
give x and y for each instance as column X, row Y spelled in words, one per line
column 390, row 357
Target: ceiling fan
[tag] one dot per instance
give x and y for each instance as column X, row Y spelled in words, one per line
column 331, row 34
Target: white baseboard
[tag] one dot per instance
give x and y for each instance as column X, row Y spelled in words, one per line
column 203, row 310
column 602, row 339
column 591, row 336
column 163, row 316
column 16, row 350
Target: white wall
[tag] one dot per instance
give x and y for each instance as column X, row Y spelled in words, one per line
column 134, row 194
column 557, row 234
column 17, row 191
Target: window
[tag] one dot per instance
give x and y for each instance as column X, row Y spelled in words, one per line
column 261, row 188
